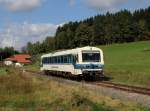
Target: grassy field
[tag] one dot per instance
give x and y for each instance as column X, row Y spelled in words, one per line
column 3, row 71
column 26, row 92
column 36, row 63
column 33, row 67
column 128, row 63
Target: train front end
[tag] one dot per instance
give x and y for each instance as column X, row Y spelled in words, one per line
column 91, row 63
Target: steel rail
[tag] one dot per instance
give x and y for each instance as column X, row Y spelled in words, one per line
column 127, row 88
column 121, row 87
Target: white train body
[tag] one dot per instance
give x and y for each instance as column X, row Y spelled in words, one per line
column 75, row 61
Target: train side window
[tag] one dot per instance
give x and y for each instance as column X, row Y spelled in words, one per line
column 45, row 60
column 59, row 59
column 65, row 59
column 62, row 59
column 69, row 59
column 54, row 60
column 50, row 60
column 72, row 59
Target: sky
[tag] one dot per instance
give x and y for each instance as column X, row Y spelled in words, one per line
column 22, row 21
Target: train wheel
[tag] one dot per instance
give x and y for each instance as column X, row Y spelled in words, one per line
column 45, row 72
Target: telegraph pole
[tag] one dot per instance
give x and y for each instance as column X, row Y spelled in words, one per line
column 1, row 61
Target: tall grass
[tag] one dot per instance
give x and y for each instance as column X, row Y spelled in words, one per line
column 3, row 71
column 26, row 92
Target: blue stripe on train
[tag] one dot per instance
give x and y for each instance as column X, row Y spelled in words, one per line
column 89, row 66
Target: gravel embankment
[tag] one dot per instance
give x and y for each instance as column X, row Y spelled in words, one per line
column 116, row 94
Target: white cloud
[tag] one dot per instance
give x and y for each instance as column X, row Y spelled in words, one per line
column 17, row 35
column 114, row 5
column 103, row 4
column 20, row 5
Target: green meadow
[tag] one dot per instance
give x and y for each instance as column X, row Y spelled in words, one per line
column 128, row 63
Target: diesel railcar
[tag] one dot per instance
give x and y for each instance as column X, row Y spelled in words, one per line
column 83, row 62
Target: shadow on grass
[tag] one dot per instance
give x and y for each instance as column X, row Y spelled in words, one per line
column 106, row 78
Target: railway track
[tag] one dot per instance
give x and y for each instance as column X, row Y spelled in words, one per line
column 127, row 88
column 121, row 87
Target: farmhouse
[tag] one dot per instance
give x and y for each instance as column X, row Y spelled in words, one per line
column 20, row 59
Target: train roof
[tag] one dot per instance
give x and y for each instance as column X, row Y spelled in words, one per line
column 70, row 51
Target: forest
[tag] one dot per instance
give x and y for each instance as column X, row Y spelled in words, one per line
column 103, row 29
column 119, row 27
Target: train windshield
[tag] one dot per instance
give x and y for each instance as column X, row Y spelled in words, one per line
column 91, row 56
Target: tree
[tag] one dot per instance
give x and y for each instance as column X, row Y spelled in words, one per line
column 83, row 35
column 7, row 52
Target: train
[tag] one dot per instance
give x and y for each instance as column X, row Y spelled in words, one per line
column 85, row 62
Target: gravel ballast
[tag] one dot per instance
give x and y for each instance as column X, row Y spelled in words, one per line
column 113, row 93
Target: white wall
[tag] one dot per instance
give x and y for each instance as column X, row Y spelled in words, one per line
column 8, row 63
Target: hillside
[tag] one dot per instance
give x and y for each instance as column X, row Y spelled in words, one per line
column 128, row 63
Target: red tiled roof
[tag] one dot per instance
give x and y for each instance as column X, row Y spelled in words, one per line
column 21, row 58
